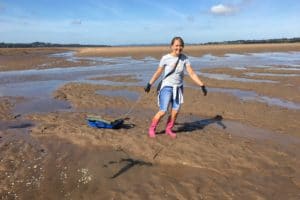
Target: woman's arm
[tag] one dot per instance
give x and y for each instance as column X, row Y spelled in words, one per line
column 193, row 75
column 196, row 79
column 156, row 75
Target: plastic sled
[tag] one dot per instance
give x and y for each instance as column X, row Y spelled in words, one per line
column 97, row 122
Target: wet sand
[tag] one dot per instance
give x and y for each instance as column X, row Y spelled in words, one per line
column 226, row 148
column 192, row 50
column 36, row 58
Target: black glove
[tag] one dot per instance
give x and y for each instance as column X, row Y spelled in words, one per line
column 204, row 90
column 147, row 88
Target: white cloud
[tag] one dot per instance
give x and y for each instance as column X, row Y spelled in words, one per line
column 221, row 9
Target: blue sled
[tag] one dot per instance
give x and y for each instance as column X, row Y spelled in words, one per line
column 105, row 124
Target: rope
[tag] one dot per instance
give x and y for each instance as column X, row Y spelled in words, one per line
column 133, row 106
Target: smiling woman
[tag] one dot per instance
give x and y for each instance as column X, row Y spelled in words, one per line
column 171, row 88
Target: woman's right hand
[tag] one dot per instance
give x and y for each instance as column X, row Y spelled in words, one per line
column 147, row 87
column 204, row 90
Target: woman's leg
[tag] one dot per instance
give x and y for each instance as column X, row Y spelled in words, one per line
column 174, row 114
column 159, row 115
column 172, row 118
column 164, row 100
column 171, row 122
column 155, row 122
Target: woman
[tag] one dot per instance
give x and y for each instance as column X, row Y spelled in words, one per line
column 171, row 91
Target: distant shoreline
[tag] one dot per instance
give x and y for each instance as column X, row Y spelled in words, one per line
column 46, row 44
column 34, row 58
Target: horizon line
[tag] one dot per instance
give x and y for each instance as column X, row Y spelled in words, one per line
column 245, row 41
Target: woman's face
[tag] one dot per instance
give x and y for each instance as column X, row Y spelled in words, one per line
column 177, row 47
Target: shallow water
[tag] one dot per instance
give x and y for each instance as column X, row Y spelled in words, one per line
column 253, row 96
column 249, row 60
column 41, row 105
column 193, row 122
column 246, row 131
column 227, row 77
column 37, row 96
column 270, row 74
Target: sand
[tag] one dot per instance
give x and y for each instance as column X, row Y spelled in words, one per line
column 192, row 50
column 226, row 148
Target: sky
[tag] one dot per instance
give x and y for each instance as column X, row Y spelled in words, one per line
column 134, row 22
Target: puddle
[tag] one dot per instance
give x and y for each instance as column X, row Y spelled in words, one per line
column 253, row 96
column 243, row 130
column 237, row 129
column 270, row 74
column 75, row 74
column 239, row 68
column 70, row 56
column 286, row 68
column 247, row 60
column 277, row 102
column 130, row 95
column 37, row 95
column 278, row 56
column 30, row 88
column 111, row 83
column 41, row 105
column 227, row 77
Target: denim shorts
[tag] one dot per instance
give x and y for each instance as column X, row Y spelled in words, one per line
column 166, row 97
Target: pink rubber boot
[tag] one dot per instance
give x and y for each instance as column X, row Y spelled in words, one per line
column 152, row 128
column 169, row 127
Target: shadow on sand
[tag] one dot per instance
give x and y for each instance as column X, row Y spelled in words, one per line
column 130, row 163
column 21, row 125
column 126, row 126
column 196, row 125
column 200, row 124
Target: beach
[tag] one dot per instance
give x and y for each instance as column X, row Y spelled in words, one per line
column 241, row 141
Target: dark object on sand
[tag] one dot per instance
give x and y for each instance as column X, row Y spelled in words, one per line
column 98, row 122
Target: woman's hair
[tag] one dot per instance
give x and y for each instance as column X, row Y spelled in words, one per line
column 177, row 38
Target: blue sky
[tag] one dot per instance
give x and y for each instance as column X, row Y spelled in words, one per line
column 121, row 22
